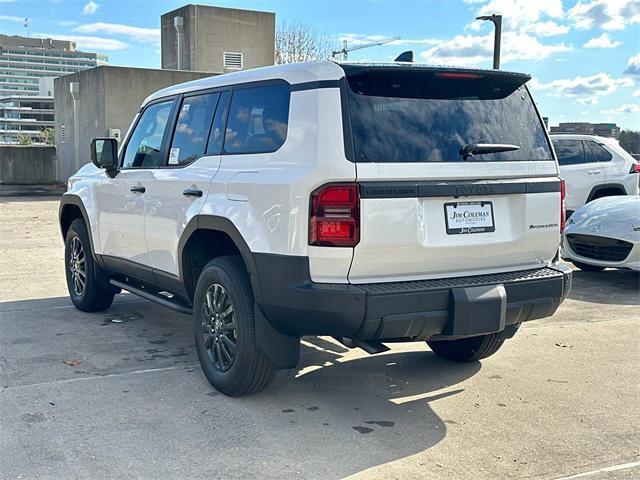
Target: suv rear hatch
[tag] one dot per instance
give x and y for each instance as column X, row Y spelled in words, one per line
column 428, row 207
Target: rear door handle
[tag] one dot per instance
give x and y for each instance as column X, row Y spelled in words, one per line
column 595, row 172
column 192, row 192
column 138, row 189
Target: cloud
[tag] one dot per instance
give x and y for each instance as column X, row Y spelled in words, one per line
column 7, row 1
column 587, row 101
column 599, row 84
column 548, row 29
column 605, row 14
column 603, row 41
column 9, row 18
column 138, row 34
column 90, row 8
column 623, row 109
column 88, row 43
column 67, row 23
column 636, row 93
column 525, row 16
column 472, row 49
column 633, row 66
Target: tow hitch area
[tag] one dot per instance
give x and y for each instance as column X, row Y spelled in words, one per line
column 369, row 346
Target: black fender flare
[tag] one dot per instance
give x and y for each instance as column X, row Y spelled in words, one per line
column 606, row 186
column 224, row 225
column 283, row 351
column 71, row 199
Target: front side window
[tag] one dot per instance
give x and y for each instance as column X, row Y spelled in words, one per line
column 570, row 152
column 597, row 152
column 144, row 147
column 258, row 119
column 192, row 128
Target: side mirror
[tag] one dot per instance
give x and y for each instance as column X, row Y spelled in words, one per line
column 104, row 153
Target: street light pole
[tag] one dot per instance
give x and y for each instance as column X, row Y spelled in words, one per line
column 497, row 38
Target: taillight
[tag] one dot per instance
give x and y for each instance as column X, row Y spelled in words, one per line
column 563, row 211
column 334, row 219
column 635, row 168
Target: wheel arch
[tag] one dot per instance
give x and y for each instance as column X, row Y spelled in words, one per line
column 206, row 237
column 71, row 207
column 613, row 187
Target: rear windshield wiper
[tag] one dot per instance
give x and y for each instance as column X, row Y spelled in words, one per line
column 480, row 148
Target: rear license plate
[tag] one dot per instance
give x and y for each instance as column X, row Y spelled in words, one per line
column 469, row 217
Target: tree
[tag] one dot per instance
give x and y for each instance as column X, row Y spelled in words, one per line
column 24, row 139
column 299, row 42
column 48, row 136
column 630, row 141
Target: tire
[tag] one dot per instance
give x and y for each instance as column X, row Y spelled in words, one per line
column 586, row 267
column 225, row 339
column 469, row 349
column 93, row 292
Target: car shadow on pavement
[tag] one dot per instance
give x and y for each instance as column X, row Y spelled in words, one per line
column 339, row 412
column 609, row 287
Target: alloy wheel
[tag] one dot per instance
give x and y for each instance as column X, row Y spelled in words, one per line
column 219, row 328
column 77, row 267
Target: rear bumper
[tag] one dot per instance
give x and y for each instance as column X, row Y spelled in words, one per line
column 451, row 308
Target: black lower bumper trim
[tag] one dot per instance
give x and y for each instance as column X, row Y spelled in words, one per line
column 451, row 307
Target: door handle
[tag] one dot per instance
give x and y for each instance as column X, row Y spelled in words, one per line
column 192, row 192
column 595, row 172
column 138, row 189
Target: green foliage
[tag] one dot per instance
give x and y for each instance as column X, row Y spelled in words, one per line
column 24, row 139
column 48, row 136
column 630, row 141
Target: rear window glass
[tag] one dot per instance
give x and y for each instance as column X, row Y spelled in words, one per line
column 598, row 152
column 417, row 116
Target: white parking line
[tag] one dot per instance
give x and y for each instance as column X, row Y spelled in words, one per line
column 613, row 468
column 100, row 377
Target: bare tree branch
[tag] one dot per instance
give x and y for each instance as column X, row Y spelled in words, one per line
column 299, row 42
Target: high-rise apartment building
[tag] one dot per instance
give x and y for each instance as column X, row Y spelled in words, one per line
column 25, row 60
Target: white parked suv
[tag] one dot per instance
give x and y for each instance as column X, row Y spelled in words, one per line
column 371, row 203
column 594, row 167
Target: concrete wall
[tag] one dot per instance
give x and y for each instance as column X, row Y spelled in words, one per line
column 211, row 31
column 109, row 99
column 27, row 165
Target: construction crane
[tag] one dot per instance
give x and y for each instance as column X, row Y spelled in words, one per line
column 344, row 51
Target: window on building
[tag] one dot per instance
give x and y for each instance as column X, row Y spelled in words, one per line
column 144, row 147
column 192, row 128
column 258, row 119
column 596, row 152
column 570, row 152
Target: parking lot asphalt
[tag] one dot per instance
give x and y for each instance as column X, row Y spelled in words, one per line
column 119, row 394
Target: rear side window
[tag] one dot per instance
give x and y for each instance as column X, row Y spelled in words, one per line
column 597, row 152
column 428, row 116
column 570, row 152
column 192, row 128
column 144, row 146
column 258, row 119
column 216, row 137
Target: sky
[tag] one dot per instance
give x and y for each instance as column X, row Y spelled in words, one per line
column 583, row 55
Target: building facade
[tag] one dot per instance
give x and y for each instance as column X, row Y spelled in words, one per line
column 217, row 40
column 24, row 61
column 26, row 119
column 583, row 128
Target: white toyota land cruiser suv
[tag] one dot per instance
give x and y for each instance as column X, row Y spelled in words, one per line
column 371, row 203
